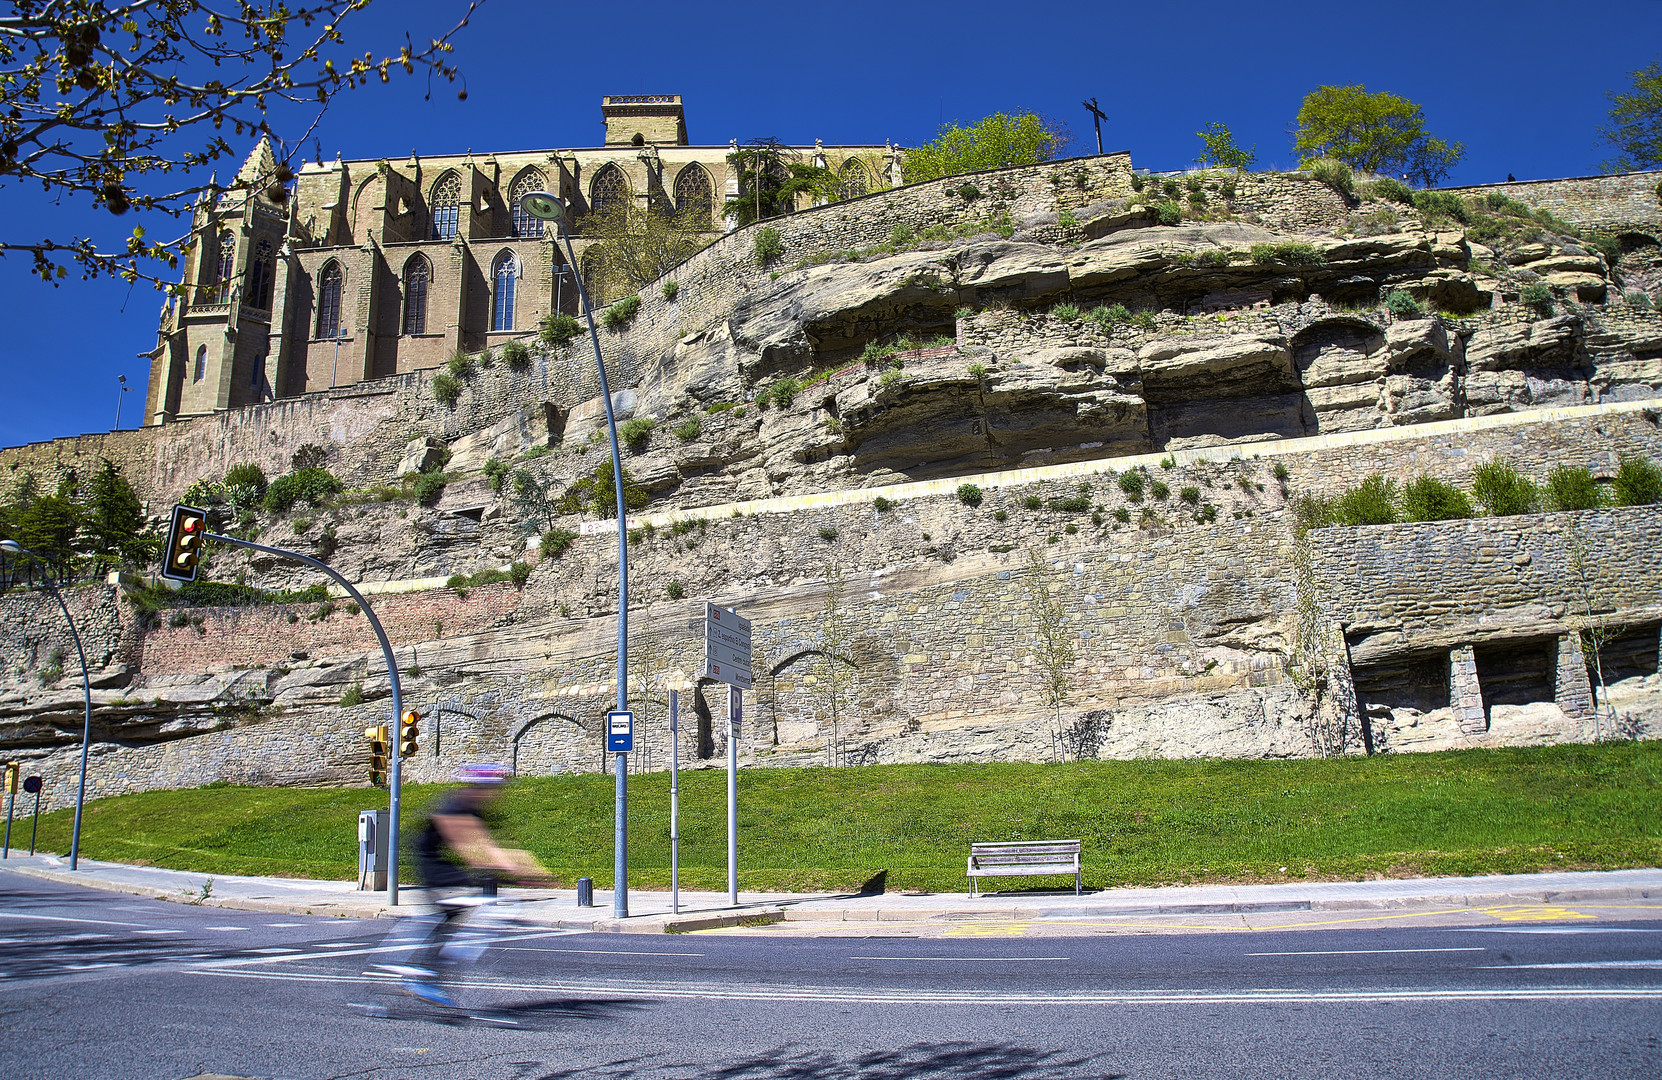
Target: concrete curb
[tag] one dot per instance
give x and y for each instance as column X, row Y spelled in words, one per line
column 349, row 910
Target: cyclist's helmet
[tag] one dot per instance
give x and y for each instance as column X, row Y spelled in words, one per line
column 483, row 775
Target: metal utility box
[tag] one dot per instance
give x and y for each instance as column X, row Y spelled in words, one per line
column 372, row 849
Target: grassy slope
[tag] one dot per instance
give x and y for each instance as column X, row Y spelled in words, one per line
column 1142, row 822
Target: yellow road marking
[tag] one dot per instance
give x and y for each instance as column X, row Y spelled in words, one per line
column 1532, row 913
column 1013, row 929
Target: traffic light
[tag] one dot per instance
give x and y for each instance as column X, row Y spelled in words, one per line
column 184, row 543
column 377, row 737
column 13, row 770
column 408, row 733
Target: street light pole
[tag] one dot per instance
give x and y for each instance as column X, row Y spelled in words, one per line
column 548, row 207
column 14, row 549
column 119, row 393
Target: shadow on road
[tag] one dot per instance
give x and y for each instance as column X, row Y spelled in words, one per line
column 951, row 1061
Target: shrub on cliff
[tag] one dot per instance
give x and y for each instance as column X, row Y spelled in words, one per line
column 1502, row 491
column 1372, row 502
column 311, row 486
column 1334, row 174
column 447, row 389
column 620, row 314
column 559, row 328
column 1427, row 498
column 247, row 475
column 1539, row 297
column 969, row 495
column 768, row 245
column 1170, row 212
column 1572, row 487
column 1391, row 190
column 427, row 487
column 636, row 432
column 1403, row 305
column 556, row 542
column 1638, row 482
column 516, row 355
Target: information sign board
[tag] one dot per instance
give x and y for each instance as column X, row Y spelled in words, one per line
column 620, row 732
column 727, row 647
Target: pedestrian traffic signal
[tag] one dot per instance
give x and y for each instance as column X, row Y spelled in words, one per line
column 13, row 771
column 408, row 733
column 183, row 553
column 377, row 737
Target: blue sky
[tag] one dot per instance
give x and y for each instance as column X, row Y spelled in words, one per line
column 1521, row 83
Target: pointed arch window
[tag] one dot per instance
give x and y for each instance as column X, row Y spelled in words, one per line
column 610, row 191
column 201, row 364
column 262, row 276
column 417, row 273
column 693, row 192
column 328, row 301
column 524, row 224
column 506, row 273
column 855, row 180
column 222, row 273
column 446, row 206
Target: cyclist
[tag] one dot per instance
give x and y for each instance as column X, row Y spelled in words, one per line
column 454, row 851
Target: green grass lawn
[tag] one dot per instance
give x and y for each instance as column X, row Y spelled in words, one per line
column 1142, row 822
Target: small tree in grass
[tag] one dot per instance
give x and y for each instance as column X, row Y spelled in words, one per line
column 1053, row 646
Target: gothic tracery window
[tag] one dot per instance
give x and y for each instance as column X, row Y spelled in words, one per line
column 328, row 301
column 524, row 224
column 417, row 274
column 855, row 181
column 221, row 291
column 609, row 192
column 506, row 274
column 445, row 206
column 261, row 277
column 201, row 363
column 693, row 192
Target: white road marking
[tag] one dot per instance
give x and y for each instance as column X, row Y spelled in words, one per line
column 596, row 952
column 1556, row 930
column 1631, row 965
column 1367, row 952
column 65, row 918
column 226, row 928
column 965, row 959
column 339, row 945
column 273, row 951
column 1254, row 996
column 371, row 950
column 158, row 931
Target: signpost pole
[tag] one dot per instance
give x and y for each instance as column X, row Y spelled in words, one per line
column 675, row 801
column 35, row 822
column 733, row 795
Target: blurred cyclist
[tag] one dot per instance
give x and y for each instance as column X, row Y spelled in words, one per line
column 455, row 853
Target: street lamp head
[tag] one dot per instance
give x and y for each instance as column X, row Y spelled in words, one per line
column 542, row 204
column 12, row 548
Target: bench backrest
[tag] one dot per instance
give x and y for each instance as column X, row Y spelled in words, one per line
column 1015, row 854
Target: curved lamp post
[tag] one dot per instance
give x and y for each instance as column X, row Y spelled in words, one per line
column 14, row 549
column 551, row 208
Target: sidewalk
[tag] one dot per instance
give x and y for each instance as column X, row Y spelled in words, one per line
column 651, row 913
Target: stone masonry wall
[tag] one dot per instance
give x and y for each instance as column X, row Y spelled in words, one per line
column 1627, row 202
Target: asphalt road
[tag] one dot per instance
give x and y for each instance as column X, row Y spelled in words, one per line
column 99, row 985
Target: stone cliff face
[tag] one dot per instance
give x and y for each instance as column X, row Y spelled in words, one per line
column 1137, row 407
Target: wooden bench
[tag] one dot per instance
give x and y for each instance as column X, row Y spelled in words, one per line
column 1023, row 859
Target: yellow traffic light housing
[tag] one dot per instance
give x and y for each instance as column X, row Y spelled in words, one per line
column 408, row 733
column 13, row 771
column 378, row 739
column 183, row 554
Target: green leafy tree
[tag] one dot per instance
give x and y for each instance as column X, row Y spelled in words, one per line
column 1636, row 122
column 109, row 100
column 1426, row 498
column 772, row 177
column 49, row 527
column 1573, row 487
column 1378, row 133
column 993, row 142
column 1638, row 482
column 114, row 528
column 1220, row 150
column 1502, row 490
